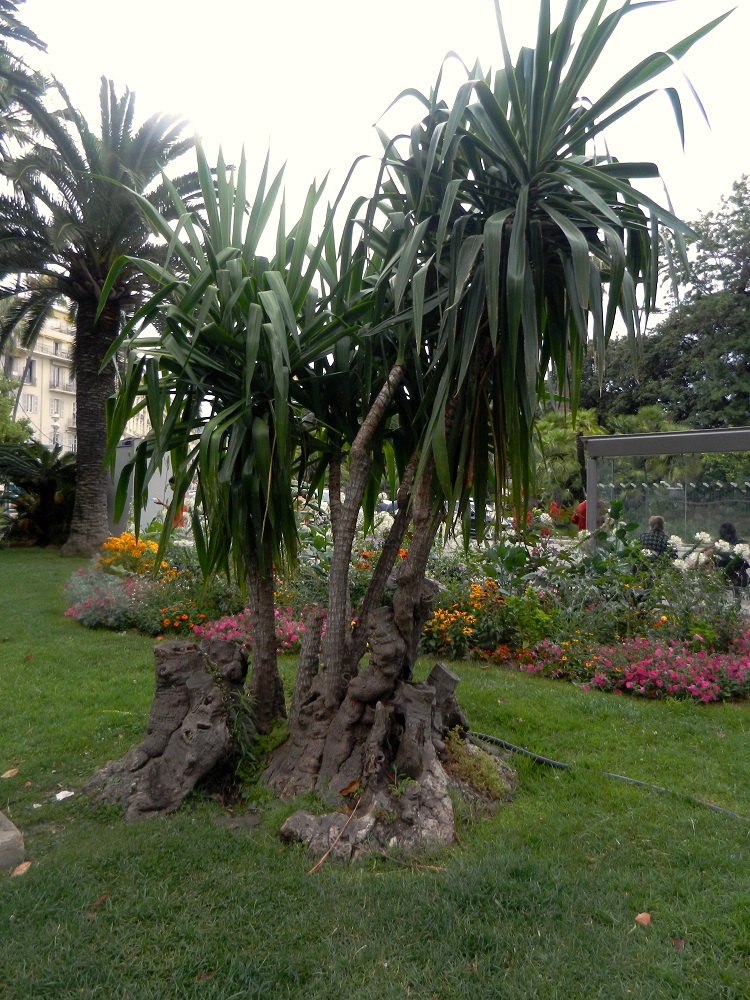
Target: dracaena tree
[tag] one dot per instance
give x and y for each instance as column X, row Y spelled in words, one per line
column 508, row 237
column 233, row 336
column 72, row 214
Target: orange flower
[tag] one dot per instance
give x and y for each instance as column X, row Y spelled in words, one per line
column 165, row 621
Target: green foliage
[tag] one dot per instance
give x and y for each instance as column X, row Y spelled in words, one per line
column 219, row 380
column 560, row 472
column 11, row 430
column 694, row 366
column 721, row 261
column 398, row 783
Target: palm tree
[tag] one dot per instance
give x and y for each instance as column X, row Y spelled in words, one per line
column 13, row 30
column 72, row 215
column 16, row 125
column 43, row 482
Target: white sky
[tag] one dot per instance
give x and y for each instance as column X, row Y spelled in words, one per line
column 312, row 78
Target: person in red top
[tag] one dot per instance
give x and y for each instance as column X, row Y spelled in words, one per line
column 579, row 517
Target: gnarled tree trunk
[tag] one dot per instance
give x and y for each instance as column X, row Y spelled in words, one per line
column 379, row 748
column 189, row 730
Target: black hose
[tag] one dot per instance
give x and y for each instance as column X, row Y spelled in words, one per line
column 607, row 774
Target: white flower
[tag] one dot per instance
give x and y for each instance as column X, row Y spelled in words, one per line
column 681, row 564
column 722, row 546
column 546, row 519
column 742, row 550
column 675, row 540
column 583, row 535
column 703, row 537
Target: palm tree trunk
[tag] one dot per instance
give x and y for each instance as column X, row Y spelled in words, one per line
column 90, row 524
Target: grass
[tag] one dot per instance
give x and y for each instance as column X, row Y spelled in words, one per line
column 538, row 902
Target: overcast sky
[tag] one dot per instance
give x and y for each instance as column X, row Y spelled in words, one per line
column 310, row 79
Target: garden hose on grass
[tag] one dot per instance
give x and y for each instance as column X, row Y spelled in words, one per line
column 607, row 774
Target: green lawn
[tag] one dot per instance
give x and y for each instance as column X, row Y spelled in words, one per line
column 538, row 902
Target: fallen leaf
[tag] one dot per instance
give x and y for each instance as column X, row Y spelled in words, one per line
column 63, row 795
column 644, row 919
column 21, row 869
column 678, row 944
column 350, row 789
column 10, row 774
column 29, row 656
column 471, row 967
column 99, row 900
column 204, row 975
column 27, row 784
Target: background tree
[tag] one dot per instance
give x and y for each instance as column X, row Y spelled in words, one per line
column 721, row 245
column 73, row 213
column 10, row 429
column 560, row 473
column 695, row 364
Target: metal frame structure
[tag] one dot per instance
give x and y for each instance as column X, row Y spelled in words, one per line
column 598, row 446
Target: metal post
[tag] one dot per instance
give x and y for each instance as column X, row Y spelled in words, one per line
column 592, row 493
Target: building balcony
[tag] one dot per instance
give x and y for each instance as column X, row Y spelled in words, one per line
column 61, row 351
column 62, row 386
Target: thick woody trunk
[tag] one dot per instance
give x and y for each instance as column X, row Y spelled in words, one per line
column 190, row 731
column 265, row 686
column 90, row 523
column 337, row 651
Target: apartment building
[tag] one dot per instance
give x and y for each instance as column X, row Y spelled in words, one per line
column 46, row 396
column 47, row 390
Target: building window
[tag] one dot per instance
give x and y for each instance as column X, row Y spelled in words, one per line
column 71, row 442
column 56, row 407
column 58, row 377
column 30, row 402
column 21, row 367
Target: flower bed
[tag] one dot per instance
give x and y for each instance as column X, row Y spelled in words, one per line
column 648, row 667
column 290, row 628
